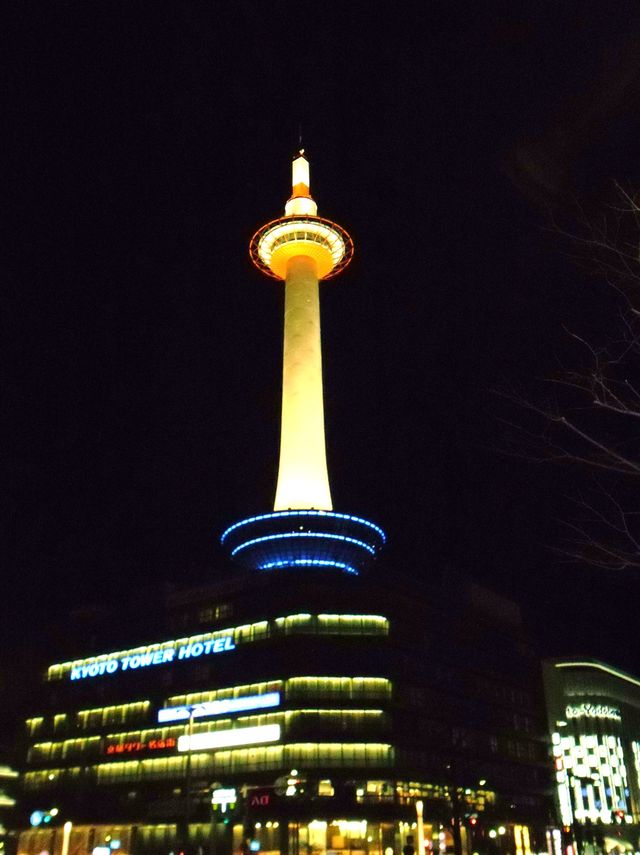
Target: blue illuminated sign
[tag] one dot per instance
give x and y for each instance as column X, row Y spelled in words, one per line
column 221, row 707
column 131, row 662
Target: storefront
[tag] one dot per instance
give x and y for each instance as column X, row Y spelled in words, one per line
column 594, row 726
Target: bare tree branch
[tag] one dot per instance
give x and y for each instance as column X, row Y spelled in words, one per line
column 588, row 416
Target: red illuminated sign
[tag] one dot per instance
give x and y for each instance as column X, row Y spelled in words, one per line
column 260, row 799
column 135, row 747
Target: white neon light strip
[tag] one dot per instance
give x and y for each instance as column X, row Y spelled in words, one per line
column 288, row 534
column 229, row 738
column 222, row 707
column 600, row 667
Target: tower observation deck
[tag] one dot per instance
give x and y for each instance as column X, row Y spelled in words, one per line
column 303, row 530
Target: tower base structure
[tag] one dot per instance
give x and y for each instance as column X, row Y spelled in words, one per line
column 299, row 539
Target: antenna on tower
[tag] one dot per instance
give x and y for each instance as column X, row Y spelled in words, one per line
column 300, row 136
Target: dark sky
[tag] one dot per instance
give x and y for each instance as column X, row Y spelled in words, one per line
column 141, row 350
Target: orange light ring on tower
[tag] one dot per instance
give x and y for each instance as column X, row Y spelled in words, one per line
column 323, row 232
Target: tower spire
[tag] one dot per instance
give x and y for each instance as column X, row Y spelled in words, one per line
column 300, row 202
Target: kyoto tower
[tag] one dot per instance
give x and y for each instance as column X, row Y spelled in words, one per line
column 303, row 530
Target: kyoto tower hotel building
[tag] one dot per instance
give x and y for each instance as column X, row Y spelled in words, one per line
column 298, row 704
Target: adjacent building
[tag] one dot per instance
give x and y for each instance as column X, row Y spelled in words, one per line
column 594, row 721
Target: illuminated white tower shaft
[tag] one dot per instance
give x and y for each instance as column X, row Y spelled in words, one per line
column 302, row 249
column 303, row 478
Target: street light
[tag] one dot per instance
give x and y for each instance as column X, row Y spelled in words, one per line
column 66, row 837
column 420, row 824
column 187, row 784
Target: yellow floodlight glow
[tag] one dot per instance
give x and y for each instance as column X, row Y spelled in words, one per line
column 303, row 478
column 228, row 738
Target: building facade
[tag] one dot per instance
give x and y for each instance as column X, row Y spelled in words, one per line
column 317, row 715
column 594, row 722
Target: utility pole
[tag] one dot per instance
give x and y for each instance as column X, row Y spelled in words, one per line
column 187, row 784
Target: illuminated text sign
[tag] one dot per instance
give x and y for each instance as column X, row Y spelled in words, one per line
column 222, row 797
column 132, row 662
column 261, row 798
column 221, row 707
column 592, row 711
column 229, row 738
column 134, row 747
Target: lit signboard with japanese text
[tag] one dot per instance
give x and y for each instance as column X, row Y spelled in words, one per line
column 221, row 707
column 134, row 747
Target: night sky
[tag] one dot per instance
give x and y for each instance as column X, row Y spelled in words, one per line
column 141, row 349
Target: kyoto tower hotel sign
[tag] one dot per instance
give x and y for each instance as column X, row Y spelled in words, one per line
column 303, row 530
